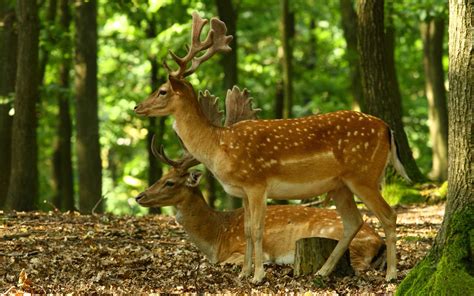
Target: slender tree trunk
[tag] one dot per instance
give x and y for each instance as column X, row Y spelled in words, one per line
column 228, row 14
column 8, row 51
column 23, row 188
column 287, row 25
column 44, row 51
column 63, row 171
column 448, row 268
column 380, row 87
column 87, row 123
column 349, row 26
column 432, row 33
column 155, row 170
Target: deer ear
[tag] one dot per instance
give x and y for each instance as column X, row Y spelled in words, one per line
column 175, row 83
column 194, row 178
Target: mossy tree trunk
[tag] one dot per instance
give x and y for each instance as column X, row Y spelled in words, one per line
column 379, row 81
column 448, row 269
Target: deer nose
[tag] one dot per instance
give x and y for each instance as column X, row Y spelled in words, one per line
column 136, row 107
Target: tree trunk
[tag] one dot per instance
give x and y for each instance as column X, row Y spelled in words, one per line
column 380, row 87
column 448, row 268
column 432, row 33
column 287, row 25
column 23, row 188
column 349, row 26
column 63, row 171
column 44, row 51
column 87, row 123
column 8, row 50
column 211, row 189
column 155, row 170
column 311, row 253
column 228, row 14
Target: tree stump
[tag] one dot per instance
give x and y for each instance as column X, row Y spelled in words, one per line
column 311, row 254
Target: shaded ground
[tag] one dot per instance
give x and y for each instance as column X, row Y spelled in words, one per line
column 69, row 252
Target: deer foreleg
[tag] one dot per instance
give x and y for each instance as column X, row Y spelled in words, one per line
column 257, row 206
column 247, row 264
column 352, row 222
column 388, row 218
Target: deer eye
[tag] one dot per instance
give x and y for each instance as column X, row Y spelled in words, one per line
column 169, row 183
column 162, row 92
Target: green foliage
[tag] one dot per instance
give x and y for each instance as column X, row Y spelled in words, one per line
column 133, row 33
column 400, row 193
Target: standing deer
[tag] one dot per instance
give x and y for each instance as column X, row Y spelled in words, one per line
column 220, row 235
column 341, row 153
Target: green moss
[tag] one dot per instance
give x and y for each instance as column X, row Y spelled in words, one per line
column 400, row 193
column 450, row 274
column 443, row 191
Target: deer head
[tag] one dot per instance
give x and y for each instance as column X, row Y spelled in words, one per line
column 171, row 96
column 174, row 185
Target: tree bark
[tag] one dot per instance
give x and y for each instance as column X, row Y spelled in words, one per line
column 87, row 123
column 311, row 253
column 44, row 51
column 349, row 26
column 155, row 170
column 23, row 187
column 287, row 29
column 228, row 14
column 448, row 268
column 380, row 87
column 63, row 171
column 8, row 50
column 432, row 33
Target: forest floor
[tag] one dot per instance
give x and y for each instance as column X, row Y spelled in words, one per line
column 72, row 253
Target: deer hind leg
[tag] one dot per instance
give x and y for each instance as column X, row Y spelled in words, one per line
column 372, row 198
column 352, row 222
column 257, row 207
column 247, row 264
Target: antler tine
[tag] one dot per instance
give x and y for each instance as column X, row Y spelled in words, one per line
column 161, row 154
column 219, row 42
column 216, row 41
column 188, row 161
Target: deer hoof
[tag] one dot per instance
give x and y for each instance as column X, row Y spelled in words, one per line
column 322, row 273
column 258, row 277
column 244, row 274
column 391, row 276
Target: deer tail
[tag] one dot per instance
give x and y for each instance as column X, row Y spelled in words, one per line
column 395, row 158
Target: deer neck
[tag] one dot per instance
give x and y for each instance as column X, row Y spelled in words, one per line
column 202, row 224
column 198, row 135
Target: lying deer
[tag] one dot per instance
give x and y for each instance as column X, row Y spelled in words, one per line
column 220, row 235
column 342, row 153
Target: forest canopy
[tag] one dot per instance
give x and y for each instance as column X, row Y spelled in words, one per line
column 134, row 37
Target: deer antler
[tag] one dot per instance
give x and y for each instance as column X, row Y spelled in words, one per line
column 216, row 41
column 186, row 162
column 238, row 106
column 210, row 107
